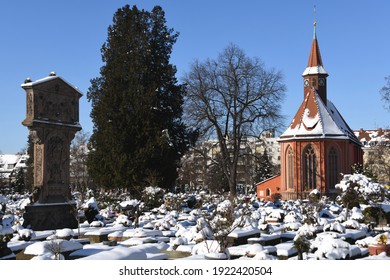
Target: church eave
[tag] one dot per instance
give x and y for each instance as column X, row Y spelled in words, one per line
column 303, row 137
column 314, row 70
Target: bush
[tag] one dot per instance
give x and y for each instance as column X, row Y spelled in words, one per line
column 374, row 215
column 152, row 197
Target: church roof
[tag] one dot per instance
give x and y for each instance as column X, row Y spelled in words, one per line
column 316, row 120
column 314, row 64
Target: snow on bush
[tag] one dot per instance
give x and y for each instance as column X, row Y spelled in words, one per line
column 307, row 230
column 356, row 214
column 129, row 203
column 366, row 189
column 224, row 207
column 123, row 220
column 204, row 247
column 291, row 217
column 91, row 204
column 152, row 197
column 335, row 226
column 352, row 224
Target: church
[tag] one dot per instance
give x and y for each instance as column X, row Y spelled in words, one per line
column 318, row 146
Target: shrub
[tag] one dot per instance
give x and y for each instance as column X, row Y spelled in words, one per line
column 152, row 197
column 374, row 215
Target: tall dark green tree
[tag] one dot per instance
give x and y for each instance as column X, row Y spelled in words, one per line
column 29, row 178
column 264, row 167
column 138, row 136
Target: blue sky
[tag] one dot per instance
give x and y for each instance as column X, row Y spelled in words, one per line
column 66, row 36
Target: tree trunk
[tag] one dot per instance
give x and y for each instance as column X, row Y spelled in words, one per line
column 232, row 188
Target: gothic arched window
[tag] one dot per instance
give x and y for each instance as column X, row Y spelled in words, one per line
column 309, row 169
column 290, row 168
column 332, row 168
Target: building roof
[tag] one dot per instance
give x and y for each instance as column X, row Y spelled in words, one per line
column 371, row 137
column 7, row 164
column 315, row 120
column 315, row 65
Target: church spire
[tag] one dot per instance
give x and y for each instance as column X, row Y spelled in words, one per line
column 315, row 60
column 315, row 74
column 315, row 24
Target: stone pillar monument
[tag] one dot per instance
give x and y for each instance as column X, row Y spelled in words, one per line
column 52, row 117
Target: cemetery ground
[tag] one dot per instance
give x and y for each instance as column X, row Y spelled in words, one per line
column 202, row 226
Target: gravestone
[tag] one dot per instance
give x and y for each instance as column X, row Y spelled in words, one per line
column 52, row 117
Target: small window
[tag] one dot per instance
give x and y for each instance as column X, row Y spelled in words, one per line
column 313, row 82
column 261, row 193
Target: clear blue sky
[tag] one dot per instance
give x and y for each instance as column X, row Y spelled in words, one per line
column 41, row 36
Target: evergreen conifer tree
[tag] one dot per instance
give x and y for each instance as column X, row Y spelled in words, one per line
column 138, row 136
column 265, row 167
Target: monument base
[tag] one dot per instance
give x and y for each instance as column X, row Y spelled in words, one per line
column 50, row 216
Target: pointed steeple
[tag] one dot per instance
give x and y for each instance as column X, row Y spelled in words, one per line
column 315, row 74
column 314, row 65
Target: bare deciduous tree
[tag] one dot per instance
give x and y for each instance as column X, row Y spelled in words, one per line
column 378, row 159
column 385, row 92
column 231, row 98
column 80, row 178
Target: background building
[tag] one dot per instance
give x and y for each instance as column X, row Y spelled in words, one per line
column 259, row 159
column 10, row 165
column 376, row 152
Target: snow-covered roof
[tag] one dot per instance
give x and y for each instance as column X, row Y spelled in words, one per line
column 9, row 162
column 52, row 76
column 371, row 137
column 9, row 159
column 314, row 70
column 315, row 119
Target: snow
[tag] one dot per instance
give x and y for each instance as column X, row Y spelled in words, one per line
column 310, row 122
column 326, row 123
column 364, row 186
column 132, row 202
column 119, row 253
column 314, row 70
column 286, row 249
column 333, row 234
column 45, row 247
column 52, row 76
column 64, row 233
column 331, row 248
column 242, row 232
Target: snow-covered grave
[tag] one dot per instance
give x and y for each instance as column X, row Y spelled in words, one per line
column 215, row 229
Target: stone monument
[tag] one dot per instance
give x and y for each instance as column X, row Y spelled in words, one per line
column 52, row 117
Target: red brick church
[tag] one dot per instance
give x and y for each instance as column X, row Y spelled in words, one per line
column 318, row 145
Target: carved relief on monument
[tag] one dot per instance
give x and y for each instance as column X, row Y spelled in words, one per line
column 30, row 105
column 38, row 164
column 58, row 158
column 56, row 108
